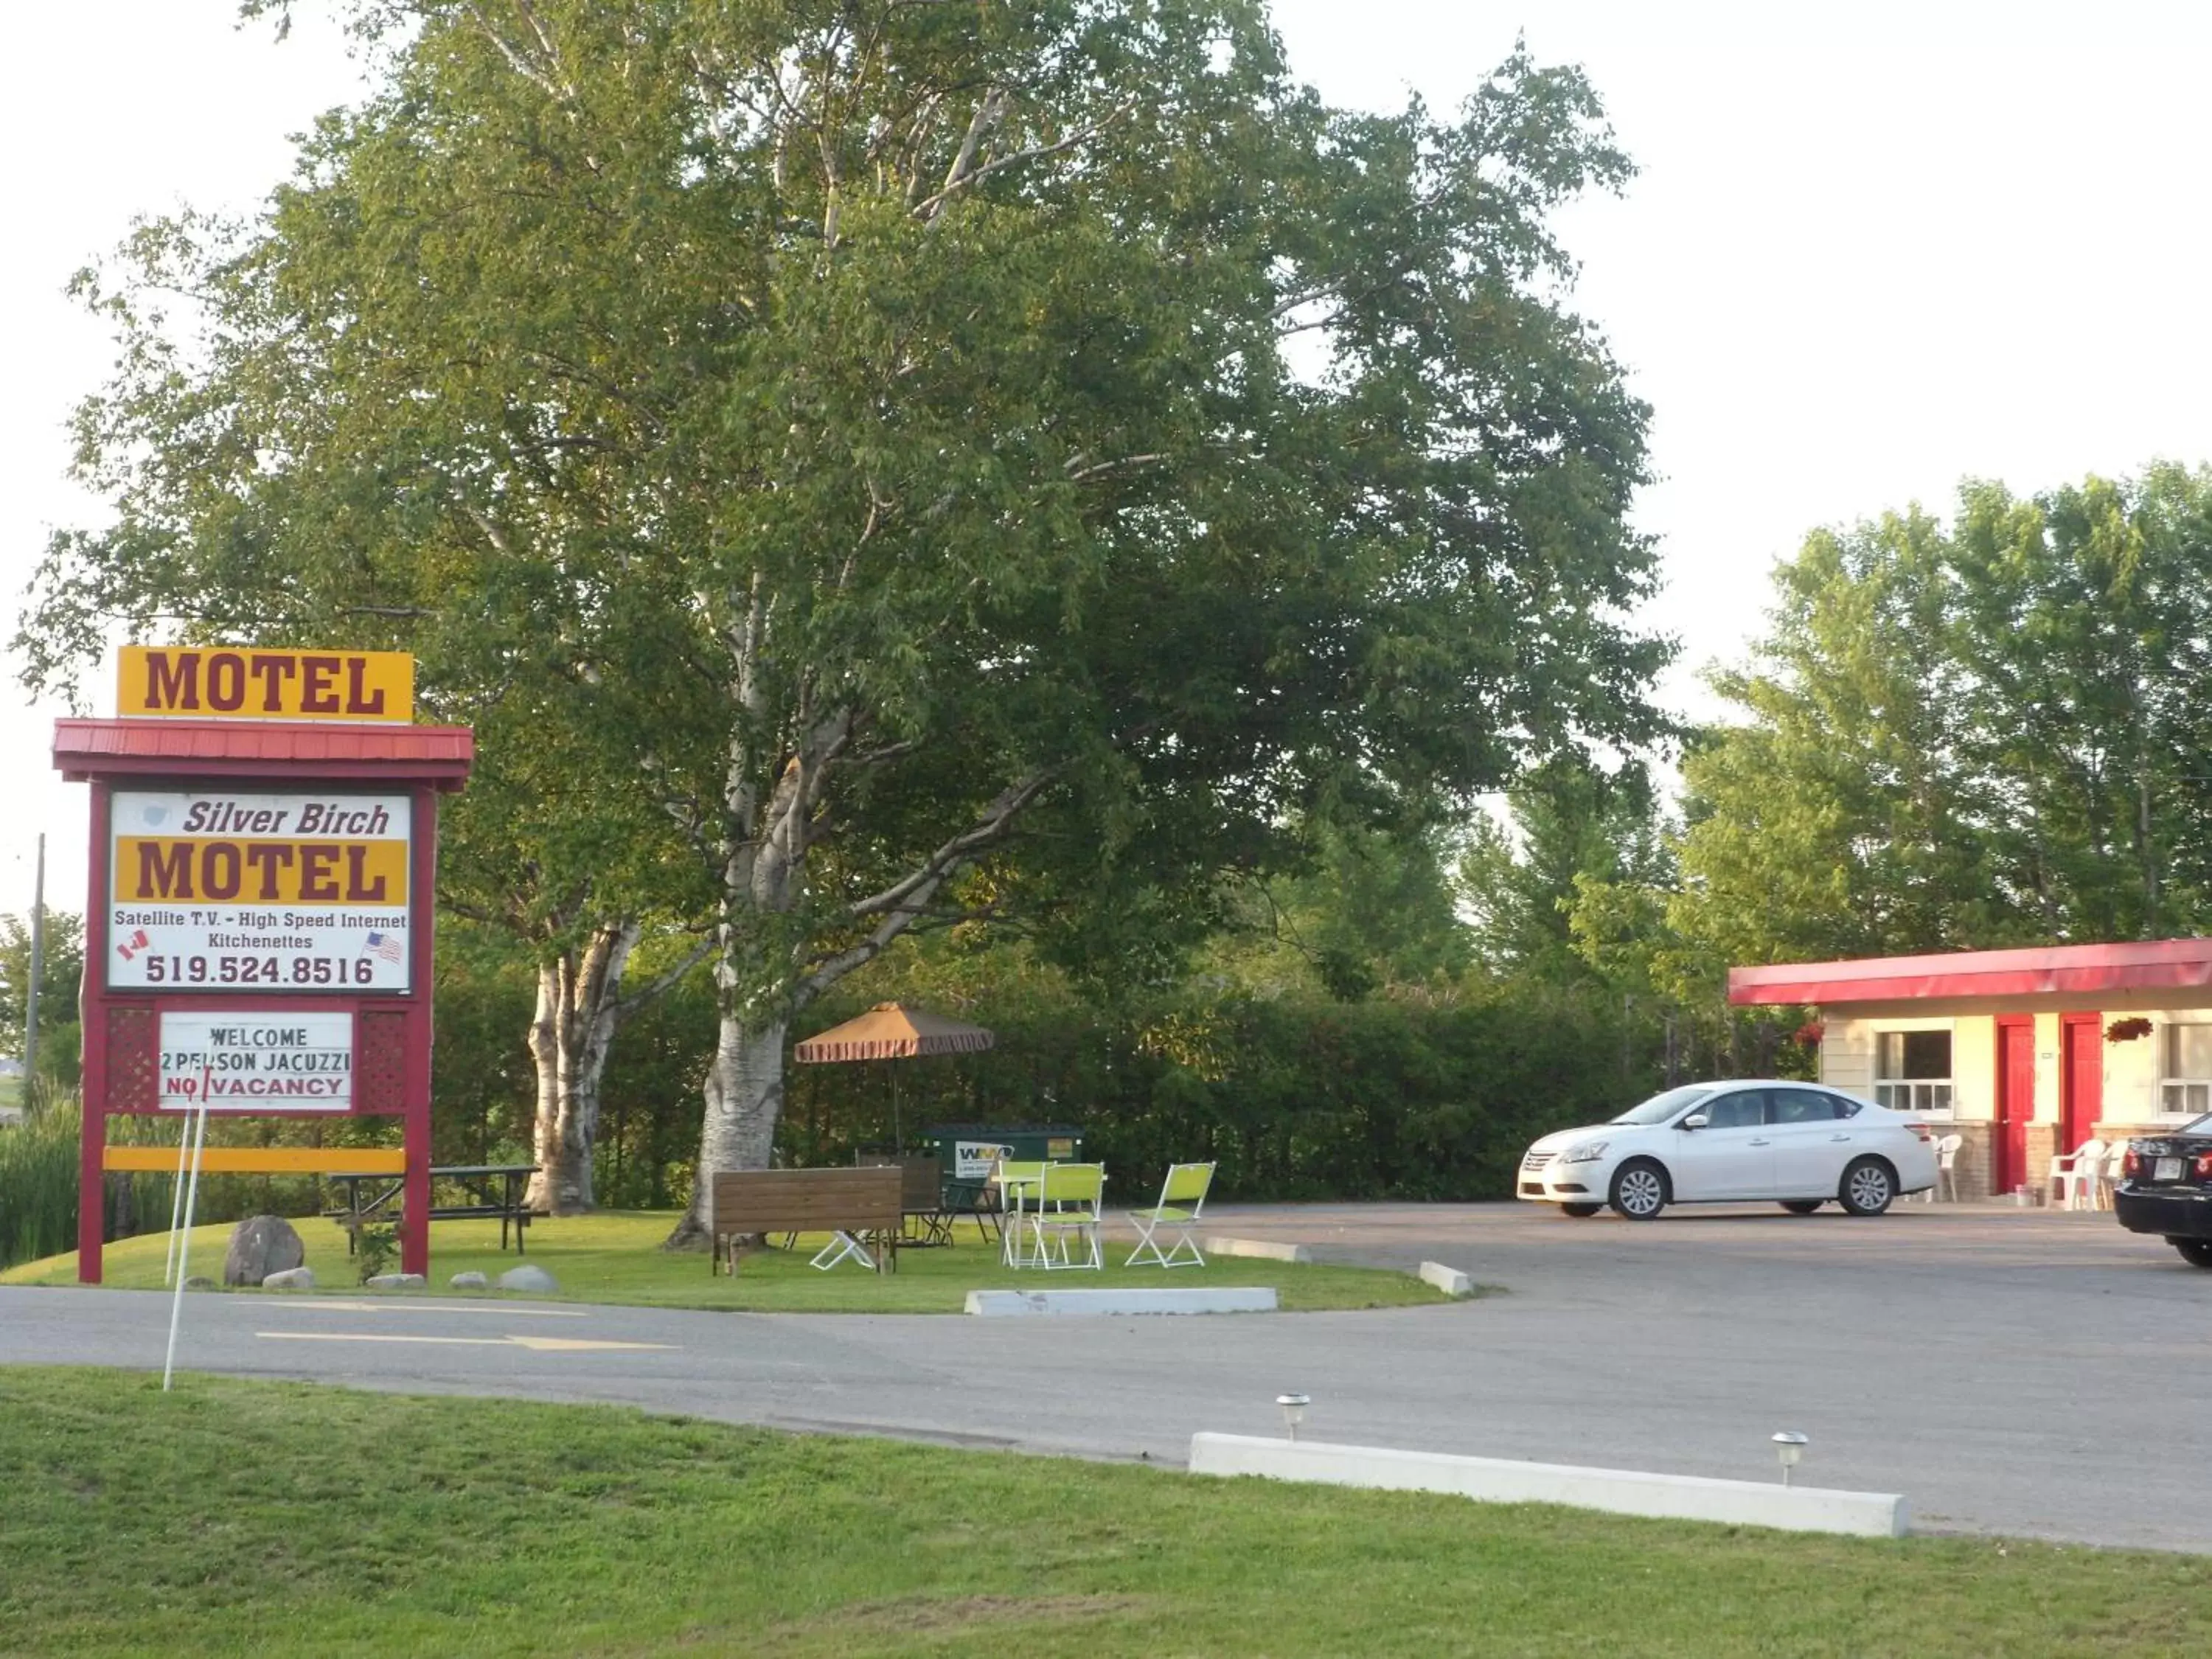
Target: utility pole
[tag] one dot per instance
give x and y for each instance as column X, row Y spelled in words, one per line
column 38, row 973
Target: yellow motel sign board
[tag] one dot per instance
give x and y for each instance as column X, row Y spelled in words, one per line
column 247, row 683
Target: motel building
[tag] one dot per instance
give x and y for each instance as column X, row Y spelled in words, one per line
column 2024, row 1055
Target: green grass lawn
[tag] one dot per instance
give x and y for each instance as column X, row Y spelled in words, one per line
column 242, row 1517
column 616, row 1257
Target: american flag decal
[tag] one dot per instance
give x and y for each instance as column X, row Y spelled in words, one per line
column 385, row 946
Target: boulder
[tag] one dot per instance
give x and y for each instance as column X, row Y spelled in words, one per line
column 292, row 1278
column 526, row 1278
column 469, row 1282
column 396, row 1282
column 259, row 1246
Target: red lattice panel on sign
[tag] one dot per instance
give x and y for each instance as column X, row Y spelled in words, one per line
column 134, row 1060
column 379, row 1063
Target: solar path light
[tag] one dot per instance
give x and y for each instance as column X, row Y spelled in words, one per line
column 1789, row 1446
column 1294, row 1411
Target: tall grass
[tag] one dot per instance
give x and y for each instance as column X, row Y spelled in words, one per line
column 38, row 1182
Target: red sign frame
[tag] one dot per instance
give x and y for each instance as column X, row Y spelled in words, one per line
column 391, row 1067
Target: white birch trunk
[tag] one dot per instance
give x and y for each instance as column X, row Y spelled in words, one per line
column 579, row 996
column 743, row 1099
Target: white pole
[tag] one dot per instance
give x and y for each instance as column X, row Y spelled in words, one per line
column 177, row 1196
column 38, row 973
column 185, row 1243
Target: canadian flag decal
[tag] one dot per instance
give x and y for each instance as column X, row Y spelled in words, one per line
column 131, row 946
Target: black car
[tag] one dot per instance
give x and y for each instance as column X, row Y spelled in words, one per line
column 2166, row 1187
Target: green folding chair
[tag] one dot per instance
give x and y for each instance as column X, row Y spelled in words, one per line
column 1182, row 1201
column 1069, row 1202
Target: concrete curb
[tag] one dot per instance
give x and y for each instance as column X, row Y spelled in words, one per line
column 1192, row 1299
column 1451, row 1280
column 1258, row 1247
column 1501, row 1480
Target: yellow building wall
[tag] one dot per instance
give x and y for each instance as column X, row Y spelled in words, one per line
column 2131, row 1071
column 2132, row 1078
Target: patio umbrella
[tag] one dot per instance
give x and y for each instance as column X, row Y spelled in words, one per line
column 890, row 1031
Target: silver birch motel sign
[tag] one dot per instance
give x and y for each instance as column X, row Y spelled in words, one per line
column 263, row 827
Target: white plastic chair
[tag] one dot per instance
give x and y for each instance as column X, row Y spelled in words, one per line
column 1947, row 1177
column 2073, row 1176
column 2114, row 1171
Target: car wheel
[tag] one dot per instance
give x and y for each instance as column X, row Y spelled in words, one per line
column 1639, row 1190
column 2197, row 1252
column 1869, row 1186
column 1802, row 1206
column 1580, row 1211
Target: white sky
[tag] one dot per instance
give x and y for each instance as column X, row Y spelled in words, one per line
column 1872, row 249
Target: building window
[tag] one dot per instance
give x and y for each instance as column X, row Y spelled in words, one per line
column 2185, row 1087
column 1912, row 1071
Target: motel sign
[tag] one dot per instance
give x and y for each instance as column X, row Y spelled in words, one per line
column 259, row 924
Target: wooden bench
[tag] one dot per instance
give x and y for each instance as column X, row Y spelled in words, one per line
column 850, row 1202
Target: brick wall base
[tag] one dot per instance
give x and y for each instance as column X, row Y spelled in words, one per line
column 2042, row 1147
column 1971, row 1171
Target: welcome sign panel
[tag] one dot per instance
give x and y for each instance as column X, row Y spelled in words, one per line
column 256, row 1062
column 216, row 891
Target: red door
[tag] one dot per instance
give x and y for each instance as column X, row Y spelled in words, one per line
column 2015, row 1098
column 2081, row 1079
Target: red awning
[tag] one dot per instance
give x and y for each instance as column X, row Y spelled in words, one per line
column 2072, row 969
column 86, row 749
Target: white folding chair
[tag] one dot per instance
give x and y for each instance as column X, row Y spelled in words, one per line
column 841, row 1247
column 1182, row 1200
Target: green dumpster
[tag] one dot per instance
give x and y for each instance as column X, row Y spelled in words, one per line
column 966, row 1151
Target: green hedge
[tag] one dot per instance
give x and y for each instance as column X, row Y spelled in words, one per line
column 1295, row 1099
column 37, row 1185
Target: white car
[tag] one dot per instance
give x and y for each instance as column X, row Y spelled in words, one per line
column 1795, row 1144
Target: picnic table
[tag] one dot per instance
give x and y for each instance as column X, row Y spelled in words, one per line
column 494, row 1189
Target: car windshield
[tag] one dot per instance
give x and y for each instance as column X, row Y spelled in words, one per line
column 1660, row 1107
column 2201, row 1127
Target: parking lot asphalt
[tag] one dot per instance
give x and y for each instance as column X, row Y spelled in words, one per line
column 2010, row 1371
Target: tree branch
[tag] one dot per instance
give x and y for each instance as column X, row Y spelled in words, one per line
column 1078, row 474
column 636, row 1000
column 995, row 821
column 956, row 180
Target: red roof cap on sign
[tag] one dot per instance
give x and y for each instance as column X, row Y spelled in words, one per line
column 86, row 749
column 2158, row 964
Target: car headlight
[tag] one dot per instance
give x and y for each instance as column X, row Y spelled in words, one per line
column 1583, row 1153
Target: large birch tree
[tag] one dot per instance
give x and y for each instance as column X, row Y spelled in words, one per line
column 956, row 459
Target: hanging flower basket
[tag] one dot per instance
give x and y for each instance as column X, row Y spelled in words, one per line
column 1809, row 1034
column 2128, row 1030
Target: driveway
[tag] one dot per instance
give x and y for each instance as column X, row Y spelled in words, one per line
column 1994, row 1365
